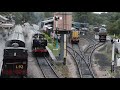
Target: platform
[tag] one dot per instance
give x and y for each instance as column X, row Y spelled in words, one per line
column 51, row 54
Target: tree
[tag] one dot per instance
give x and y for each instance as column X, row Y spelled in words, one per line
column 48, row 14
column 31, row 17
column 87, row 17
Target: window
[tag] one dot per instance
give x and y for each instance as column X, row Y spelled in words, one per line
column 102, row 30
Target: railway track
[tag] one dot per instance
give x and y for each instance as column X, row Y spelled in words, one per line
column 80, row 61
column 89, row 37
column 93, row 45
column 83, row 58
column 46, row 68
column 92, row 51
column 88, row 54
column 77, row 64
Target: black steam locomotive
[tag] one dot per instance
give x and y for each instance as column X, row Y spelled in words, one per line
column 15, row 58
column 39, row 44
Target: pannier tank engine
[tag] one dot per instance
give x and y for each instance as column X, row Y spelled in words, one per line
column 15, row 57
column 39, row 44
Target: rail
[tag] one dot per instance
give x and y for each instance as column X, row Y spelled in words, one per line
column 46, row 68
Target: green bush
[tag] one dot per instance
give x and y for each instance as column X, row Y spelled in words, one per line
column 48, row 38
column 114, row 28
column 54, row 43
column 118, row 36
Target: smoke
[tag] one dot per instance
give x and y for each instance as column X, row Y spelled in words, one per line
column 39, row 16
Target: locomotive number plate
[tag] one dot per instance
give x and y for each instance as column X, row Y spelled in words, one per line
column 19, row 66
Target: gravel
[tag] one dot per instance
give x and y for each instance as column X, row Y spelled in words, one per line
column 103, row 61
column 71, row 67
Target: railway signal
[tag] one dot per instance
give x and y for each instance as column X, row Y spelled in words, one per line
column 115, row 54
column 56, row 19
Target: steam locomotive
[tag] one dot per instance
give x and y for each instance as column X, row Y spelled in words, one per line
column 39, row 44
column 15, row 57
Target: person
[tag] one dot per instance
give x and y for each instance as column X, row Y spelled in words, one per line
column 118, row 40
column 112, row 41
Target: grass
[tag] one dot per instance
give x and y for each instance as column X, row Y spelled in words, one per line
column 54, row 49
column 48, row 38
column 52, row 45
column 112, row 74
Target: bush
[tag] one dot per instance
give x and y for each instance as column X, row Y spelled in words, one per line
column 54, row 43
column 49, row 40
column 114, row 28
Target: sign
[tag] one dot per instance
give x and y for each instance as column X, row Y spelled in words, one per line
column 118, row 61
column 19, row 66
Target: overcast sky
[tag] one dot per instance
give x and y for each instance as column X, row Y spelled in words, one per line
column 98, row 12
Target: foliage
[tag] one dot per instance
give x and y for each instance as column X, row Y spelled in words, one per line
column 48, row 14
column 31, row 17
column 89, row 17
column 114, row 24
column 111, row 19
column 48, row 38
